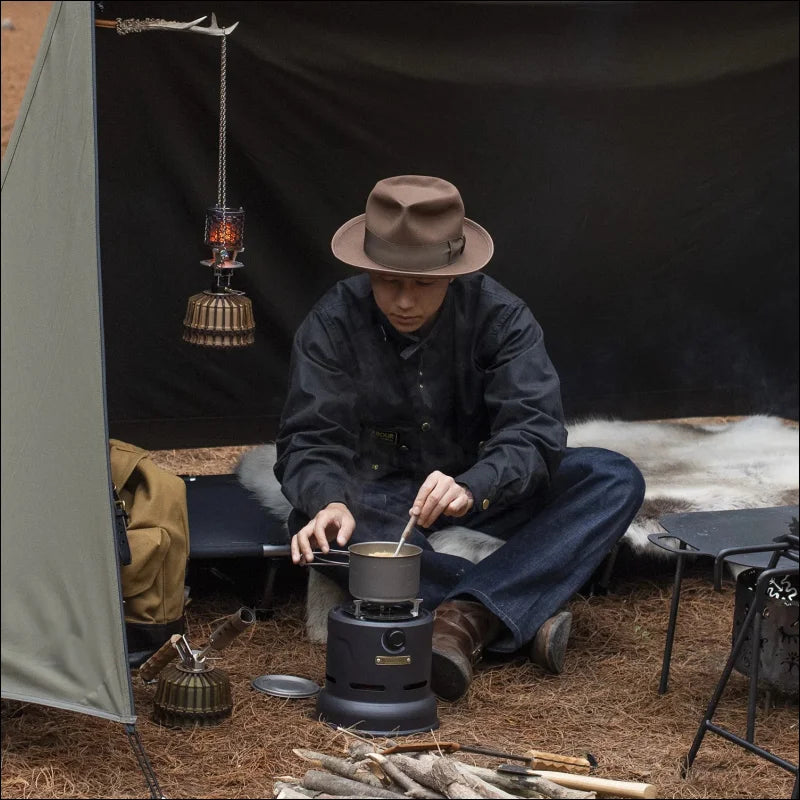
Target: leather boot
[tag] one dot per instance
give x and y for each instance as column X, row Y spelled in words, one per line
column 550, row 643
column 461, row 629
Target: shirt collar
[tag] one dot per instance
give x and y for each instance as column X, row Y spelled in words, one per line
column 409, row 343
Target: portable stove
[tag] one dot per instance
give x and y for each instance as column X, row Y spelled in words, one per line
column 378, row 669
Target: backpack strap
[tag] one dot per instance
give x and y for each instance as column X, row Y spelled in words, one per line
column 121, row 528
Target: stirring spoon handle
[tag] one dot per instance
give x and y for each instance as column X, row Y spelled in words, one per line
column 404, row 535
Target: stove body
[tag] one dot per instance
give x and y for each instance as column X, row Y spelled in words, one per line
column 378, row 669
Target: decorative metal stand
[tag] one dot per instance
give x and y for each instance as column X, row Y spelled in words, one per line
column 193, row 692
column 786, row 547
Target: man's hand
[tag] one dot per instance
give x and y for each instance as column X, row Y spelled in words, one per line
column 440, row 494
column 335, row 520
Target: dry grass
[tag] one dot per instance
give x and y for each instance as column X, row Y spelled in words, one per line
column 201, row 460
column 605, row 702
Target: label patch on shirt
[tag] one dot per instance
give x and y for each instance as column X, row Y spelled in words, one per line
column 386, row 437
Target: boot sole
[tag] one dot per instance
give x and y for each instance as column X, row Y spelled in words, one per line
column 550, row 645
column 450, row 676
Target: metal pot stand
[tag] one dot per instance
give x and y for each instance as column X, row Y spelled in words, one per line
column 784, row 547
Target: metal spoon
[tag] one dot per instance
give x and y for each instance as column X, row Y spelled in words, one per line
column 404, row 535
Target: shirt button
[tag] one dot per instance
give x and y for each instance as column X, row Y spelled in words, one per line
column 485, row 504
column 426, row 426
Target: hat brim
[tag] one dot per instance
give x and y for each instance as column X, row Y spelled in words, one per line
column 348, row 246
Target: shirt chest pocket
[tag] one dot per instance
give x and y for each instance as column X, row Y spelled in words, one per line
column 386, row 447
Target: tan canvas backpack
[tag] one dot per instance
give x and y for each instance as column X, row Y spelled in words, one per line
column 158, row 537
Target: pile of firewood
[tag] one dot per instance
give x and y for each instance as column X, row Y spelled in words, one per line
column 370, row 772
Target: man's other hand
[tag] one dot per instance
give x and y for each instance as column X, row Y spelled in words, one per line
column 335, row 520
column 440, row 494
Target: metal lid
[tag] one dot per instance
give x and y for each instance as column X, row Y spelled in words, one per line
column 285, row 686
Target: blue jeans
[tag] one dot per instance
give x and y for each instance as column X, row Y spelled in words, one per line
column 553, row 542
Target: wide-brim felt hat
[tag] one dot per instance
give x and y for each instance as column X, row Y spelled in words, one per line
column 413, row 226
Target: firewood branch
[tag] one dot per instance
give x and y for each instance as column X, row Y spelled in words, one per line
column 339, row 766
column 411, row 787
column 482, row 787
column 290, row 791
column 336, row 784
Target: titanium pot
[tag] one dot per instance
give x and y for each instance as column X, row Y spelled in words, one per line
column 379, row 578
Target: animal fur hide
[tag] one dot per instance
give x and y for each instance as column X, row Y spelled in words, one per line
column 751, row 463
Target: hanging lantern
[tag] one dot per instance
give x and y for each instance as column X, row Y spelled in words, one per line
column 225, row 229
column 221, row 316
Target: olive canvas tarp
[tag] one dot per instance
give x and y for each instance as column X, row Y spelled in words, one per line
column 62, row 625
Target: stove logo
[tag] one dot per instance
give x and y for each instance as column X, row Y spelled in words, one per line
column 392, row 661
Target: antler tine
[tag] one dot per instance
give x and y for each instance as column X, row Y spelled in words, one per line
column 186, row 26
column 213, row 29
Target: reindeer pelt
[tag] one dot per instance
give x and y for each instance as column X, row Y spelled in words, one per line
column 750, row 463
column 323, row 594
column 255, row 473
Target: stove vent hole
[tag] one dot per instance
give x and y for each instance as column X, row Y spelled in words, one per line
column 368, row 687
column 330, row 678
column 419, row 685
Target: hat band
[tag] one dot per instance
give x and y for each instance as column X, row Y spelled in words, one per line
column 419, row 258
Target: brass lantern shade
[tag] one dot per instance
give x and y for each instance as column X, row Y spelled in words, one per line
column 219, row 320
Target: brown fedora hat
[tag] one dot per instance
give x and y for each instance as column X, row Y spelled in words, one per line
column 415, row 226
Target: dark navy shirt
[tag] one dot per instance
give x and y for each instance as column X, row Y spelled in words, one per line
column 474, row 396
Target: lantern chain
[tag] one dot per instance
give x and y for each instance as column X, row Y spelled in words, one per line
column 221, row 199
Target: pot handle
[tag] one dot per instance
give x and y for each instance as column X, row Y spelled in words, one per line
column 324, row 562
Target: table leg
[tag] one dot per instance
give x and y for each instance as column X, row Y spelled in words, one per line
column 673, row 616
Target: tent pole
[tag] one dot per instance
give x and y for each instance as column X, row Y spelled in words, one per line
column 144, row 762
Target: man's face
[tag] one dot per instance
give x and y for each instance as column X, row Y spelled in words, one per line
column 408, row 303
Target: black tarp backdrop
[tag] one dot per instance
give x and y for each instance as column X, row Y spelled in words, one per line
column 636, row 164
